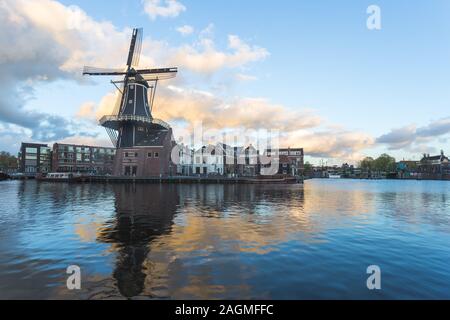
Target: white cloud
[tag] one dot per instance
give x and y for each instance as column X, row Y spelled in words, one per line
column 86, row 110
column 331, row 143
column 53, row 42
column 412, row 137
column 93, row 112
column 185, row 30
column 176, row 103
column 203, row 57
column 166, row 8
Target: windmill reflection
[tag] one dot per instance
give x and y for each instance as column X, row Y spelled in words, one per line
column 151, row 248
column 143, row 212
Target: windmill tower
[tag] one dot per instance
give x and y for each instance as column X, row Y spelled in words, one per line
column 143, row 143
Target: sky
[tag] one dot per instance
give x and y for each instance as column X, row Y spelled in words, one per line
column 311, row 69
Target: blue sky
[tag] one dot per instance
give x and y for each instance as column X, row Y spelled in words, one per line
column 374, row 91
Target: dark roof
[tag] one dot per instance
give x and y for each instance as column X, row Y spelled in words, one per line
column 153, row 139
column 32, row 144
column 441, row 158
column 79, row 145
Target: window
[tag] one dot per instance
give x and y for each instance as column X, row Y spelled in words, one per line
column 135, row 154
column 141, row 129
column 126, row 154
column 130, row 101
column 156, row 155
column 149, row 155
column 31, row 150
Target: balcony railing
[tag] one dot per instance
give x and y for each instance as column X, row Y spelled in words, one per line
column 117, row 118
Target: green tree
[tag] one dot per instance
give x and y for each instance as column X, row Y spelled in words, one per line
column 7, row 160
column 384, row 163
column 307, row 169
column 367, row 164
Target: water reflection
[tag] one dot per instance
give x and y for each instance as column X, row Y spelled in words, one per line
column 142, row 213
column 225, row 241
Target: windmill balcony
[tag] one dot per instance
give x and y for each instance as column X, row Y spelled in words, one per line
column 113, row 121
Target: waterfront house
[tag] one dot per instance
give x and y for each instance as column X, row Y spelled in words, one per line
column 34, row 158
column 184, row 165
column 407, row 169
column 207, row 161
column 82, row 159
column 239, row 161
column 434, row 165
column 291, row 160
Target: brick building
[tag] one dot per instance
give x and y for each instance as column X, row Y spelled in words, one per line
column 82, row 159
column 291, row 160
column 148, row 158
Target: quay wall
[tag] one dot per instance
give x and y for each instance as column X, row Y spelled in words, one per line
column 191, row 179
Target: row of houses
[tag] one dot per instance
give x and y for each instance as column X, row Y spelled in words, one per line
column 219, row 159
column 37, row 158
column 225, row 160
column 429, row 167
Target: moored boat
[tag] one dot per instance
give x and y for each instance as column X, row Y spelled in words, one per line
column 273, row 180
column 3, row 176
column 334, row 176
column 60, row 177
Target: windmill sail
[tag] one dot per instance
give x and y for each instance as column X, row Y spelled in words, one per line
column 93, row 71
column 135, row 48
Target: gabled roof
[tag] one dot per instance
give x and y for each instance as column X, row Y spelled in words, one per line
column 440, row 157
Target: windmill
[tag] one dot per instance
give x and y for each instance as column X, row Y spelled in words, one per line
column 143, row 143
column 131, row 123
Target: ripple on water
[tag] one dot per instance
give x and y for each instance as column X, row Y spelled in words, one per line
column 232, row 241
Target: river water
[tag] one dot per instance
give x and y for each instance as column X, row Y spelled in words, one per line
column 225, row 241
